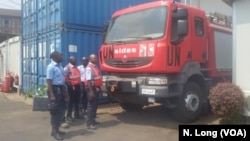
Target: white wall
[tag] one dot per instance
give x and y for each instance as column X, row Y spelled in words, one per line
column 211, row 6
column 241, row 48
column 10, row 57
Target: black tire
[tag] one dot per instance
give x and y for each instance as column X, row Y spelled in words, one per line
column 131, row 106
column 190, row 104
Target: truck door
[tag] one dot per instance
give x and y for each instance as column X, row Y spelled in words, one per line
column 199, row 40
column 179, row 51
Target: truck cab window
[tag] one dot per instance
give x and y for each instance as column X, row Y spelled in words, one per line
column 199, row 29
column 139, row 25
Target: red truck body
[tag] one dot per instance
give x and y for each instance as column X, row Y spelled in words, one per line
column 165, row 52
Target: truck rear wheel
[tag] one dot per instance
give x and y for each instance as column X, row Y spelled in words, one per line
column 190, row 104
column 131, row 106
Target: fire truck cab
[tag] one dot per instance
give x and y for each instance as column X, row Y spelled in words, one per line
column 165, row 52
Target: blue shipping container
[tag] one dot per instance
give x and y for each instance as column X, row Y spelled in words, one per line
column 70, row 42
column 42, row 16
column 73, row 27
column 29, row 18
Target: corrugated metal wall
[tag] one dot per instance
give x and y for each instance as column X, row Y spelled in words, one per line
column 41, row 16
column 73, row 27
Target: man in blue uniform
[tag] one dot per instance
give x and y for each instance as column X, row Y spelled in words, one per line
column 56, row 94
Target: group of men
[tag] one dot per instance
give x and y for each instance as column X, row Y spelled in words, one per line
column 72, row 90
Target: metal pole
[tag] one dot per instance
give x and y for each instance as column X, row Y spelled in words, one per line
column 7, row 55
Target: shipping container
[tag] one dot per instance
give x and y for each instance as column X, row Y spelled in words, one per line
column 73, row 27
column 29, row 19
column 94, row 12
column 28, row 82
column 70, row 42
column 42, row 16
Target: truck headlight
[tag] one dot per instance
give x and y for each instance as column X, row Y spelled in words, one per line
column 104, row 79
column 157, row 81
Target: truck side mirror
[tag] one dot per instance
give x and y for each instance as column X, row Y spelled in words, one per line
column 179, row 25
column 182, row 28
column 180, row 13
column 182, row 31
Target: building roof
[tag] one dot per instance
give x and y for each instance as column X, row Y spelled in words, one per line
column 10, row 12
column 229, row 2
column 6, row 36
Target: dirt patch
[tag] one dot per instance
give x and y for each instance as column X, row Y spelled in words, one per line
column 17, row 97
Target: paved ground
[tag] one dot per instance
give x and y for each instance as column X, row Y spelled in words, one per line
column 20, row 123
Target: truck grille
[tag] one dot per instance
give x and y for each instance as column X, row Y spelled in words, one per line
column 130, row 63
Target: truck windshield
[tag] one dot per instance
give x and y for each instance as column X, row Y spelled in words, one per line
column 140, row 25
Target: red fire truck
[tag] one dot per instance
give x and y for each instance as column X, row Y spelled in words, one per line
column 165, row 52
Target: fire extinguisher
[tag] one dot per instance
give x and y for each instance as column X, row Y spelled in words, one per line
column 7, row 83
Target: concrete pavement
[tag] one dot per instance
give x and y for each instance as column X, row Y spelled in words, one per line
column 20, row 123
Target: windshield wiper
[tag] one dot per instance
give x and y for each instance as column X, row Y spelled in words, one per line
column 141, row 37
column 128, row 40
column 117, row 42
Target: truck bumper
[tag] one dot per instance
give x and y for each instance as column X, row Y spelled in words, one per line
column 153, row 91
column 114, row 85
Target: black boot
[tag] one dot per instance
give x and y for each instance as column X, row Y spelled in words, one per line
column 55, row 133
column 60, row 132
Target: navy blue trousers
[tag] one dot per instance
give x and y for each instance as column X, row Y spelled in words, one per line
column 92, row 107
column 74, row 93
column 57, row 117
column 83, row 99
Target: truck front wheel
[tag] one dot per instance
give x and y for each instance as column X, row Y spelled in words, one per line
column 131, row 106
column 190, row 104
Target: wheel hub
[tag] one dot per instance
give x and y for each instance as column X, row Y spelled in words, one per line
column 192, row 102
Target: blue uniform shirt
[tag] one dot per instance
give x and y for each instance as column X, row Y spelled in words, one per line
column 55, row 73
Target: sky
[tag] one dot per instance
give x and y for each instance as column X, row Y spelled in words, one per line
column 10, row 4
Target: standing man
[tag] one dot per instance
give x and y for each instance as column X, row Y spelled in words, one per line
column 94, row 82
column 83, row 99
column 73, row 81
column 56, row 93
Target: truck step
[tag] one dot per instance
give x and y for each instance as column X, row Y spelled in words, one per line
column 208, row 79
column 205, row 69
